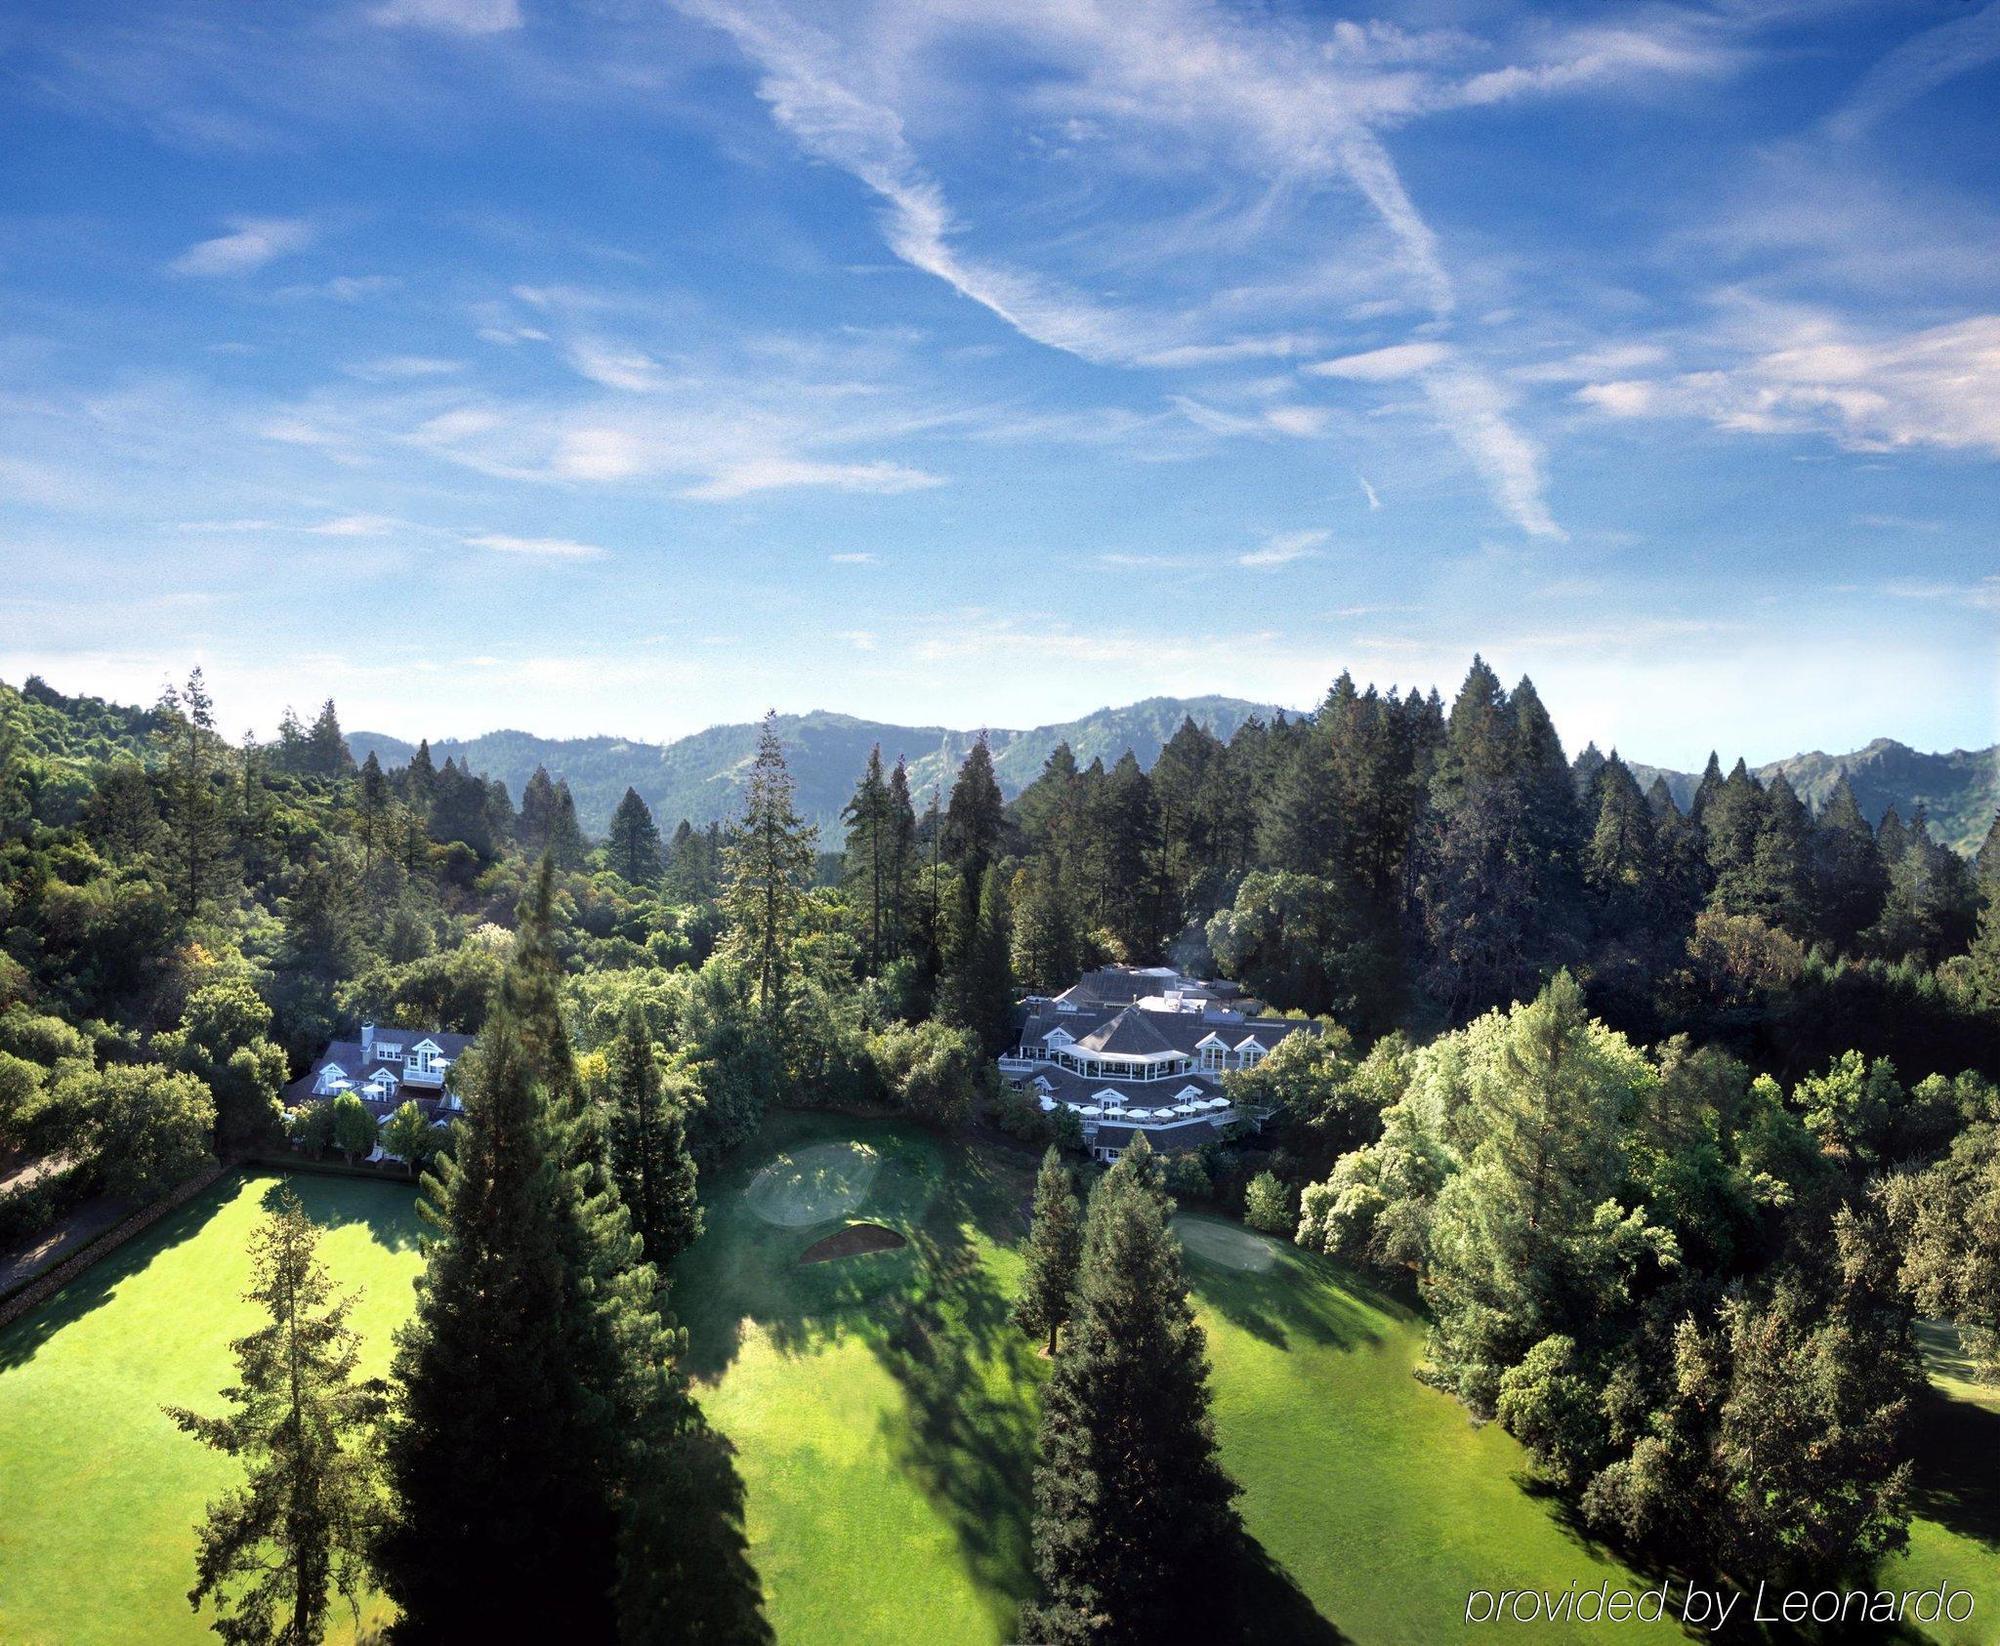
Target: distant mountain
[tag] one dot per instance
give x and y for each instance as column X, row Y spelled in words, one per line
column 701, row 777
column 1960, row 791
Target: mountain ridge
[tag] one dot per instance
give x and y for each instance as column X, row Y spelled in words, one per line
column 699, row 776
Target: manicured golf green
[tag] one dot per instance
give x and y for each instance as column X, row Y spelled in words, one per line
column 99, row 1492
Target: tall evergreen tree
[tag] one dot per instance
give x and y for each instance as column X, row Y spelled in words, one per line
column 770, row 861
column 1730, row 820
column 420, row 779
column 1048, row 951
column 196, row 858
column 1780, row 887
column 326, row 753
column 273, row 1553
column 538, row 811
column 501, row 1452
column 866, row 857
column 1620, row 862
column 976, row 818
column 1849, row 882
column 901, row 872
column 1055, row 1250
column 979, row 989
column 566, row 847
column 373, row 811
column 649, row 1152
column 634, row 841
column 1134, row 1516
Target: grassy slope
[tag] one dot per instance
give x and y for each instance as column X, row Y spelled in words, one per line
column 101, row 1492
column 885, row 1413
column 1377, row 1495
column 881, row 1405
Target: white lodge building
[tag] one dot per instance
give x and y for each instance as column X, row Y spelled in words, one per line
column 383, row 1068
column 1136, row 1049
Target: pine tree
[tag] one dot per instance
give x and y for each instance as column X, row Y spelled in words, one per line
column 273, row 1552
column 1620, row 861
column 976, row 817
column 1705, row 791
column 538, row 811
column 1055, row 1249
column 458, row 811
column 979, row 989
column 1987, row 859
column 1779, row 885
column 197, row 853
column 374, row 812
column 901, row 870
column 566, row 846
column 420, row 779
column 769, row 864
column 1134, row 1517
column 649, row 1153
column 1849, row 882
column 1730, row 820
column 867, row 853
column 326, row 753
column 498, row 1451
column 1048, row 952
column 634, row 840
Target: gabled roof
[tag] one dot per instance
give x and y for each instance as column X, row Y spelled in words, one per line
column 1132, row 1033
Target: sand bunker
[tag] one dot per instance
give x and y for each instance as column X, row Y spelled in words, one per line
column 813, row 1185
column 852, row 1241
column 1225, row 1245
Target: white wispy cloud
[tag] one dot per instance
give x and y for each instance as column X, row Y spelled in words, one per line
column 537, row 548
column 1368, row 491
column 1292, row 107
column 764, row 474
column 1283, row 548
column 392, row 367
column 1383, row 365
column 250, row 244
column 1939, row 386
column 1920, row 65
column 858, row 557
column 452, row 16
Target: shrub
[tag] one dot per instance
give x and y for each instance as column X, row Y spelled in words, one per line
column 1267, row 1205
column 1188, row 1179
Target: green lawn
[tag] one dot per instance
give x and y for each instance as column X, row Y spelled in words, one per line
column 883, row 1409
column 99, row 1493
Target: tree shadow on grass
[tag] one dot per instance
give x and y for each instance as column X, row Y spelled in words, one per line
column 388, row 1213
column 1296, row 1295
column 1957, row 1448
column 967, row 1435
column 1272, row 1610
column 23, row 1340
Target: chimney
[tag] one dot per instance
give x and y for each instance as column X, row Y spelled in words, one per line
column 367, row 1038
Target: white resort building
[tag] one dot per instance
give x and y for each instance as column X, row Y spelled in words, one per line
column 384, row 1068
column 1143, row 1049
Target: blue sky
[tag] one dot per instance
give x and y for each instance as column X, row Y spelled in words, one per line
column 626, row 367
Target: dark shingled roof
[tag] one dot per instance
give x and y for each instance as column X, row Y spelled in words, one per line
column 1131, row 1032
column 1174, row 1140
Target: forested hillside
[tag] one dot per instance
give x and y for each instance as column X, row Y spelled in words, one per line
column 701, row 777
column 1959, row 791
column 1669, row 1111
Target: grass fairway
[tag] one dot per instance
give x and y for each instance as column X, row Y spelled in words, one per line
column 1376, row 1494
column 881, row 1403
column 99, row 1493
column 883, row 1408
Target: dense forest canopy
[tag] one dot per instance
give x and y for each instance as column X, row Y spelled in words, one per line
column 1666, row 1110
